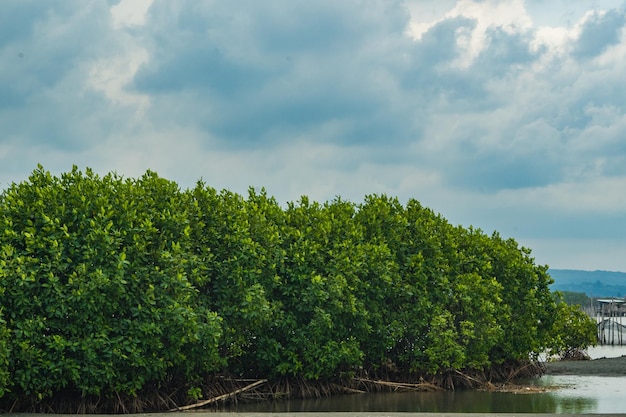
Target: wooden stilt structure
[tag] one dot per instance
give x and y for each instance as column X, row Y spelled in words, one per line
column 609, row 316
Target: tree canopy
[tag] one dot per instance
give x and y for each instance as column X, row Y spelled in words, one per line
column 109, row 285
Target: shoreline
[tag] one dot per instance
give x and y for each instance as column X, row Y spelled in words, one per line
column 598, row 367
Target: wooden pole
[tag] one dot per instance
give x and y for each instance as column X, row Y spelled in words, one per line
column 603, row 325
column 612, row 323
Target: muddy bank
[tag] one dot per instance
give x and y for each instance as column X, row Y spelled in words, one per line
column 600, row 367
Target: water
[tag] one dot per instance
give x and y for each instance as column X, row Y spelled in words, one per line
column 575, row 394
column 585, row 394
column 606, row 351
column 449, row 402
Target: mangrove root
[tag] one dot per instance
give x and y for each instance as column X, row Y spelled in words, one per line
column 220, row 397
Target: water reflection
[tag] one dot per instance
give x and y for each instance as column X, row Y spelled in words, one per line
column 446, row 402
column 588, row 394
column 576, row 395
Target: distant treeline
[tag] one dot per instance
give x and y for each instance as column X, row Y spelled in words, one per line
column 592, row 283
column 111, row 286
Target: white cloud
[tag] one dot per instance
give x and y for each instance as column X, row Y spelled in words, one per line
column 509, row 16
column 554, row 40
column 130, row 13
column 594, row 196
column 112, row 75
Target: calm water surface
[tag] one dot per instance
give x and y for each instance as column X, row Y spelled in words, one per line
column 576, row 394
column 597, row 352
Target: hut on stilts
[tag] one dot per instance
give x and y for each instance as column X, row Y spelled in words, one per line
column 610, row 313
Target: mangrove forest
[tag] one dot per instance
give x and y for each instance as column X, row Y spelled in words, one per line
column 132, row 294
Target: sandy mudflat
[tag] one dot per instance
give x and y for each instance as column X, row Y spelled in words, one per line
column 600, row 367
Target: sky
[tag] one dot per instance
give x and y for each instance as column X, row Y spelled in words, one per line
column 507, row 116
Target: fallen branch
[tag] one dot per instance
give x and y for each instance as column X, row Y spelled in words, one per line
column 220, row 397
column 396, row 385
column 469, row 378
column 348, row 390
column 515, row 372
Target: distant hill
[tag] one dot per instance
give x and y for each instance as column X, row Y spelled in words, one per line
column 592, row 283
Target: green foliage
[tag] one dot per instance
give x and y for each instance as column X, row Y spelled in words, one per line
column 318, row 318
column 528, row 309
column 110, row 285
column 575, row 298
column 4, row 356
column 94, row 288
column 572, row 329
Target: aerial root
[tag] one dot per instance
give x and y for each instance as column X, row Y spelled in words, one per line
column 219, row 389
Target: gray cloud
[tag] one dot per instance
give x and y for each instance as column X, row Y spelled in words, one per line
column 280, row 69
column 505, row 53
column 492, row 125
column 599, row 32
column 331, row 72
column 44, row 67
column 18, row 19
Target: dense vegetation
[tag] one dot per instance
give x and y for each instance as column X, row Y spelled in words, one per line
column 112, row 286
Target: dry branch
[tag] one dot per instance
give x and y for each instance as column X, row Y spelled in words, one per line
column 220, row 397
column 399, row 385
column 342, row 388
column 469, row 378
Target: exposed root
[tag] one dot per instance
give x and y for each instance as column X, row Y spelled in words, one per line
column 219, row 389
column 220, row 397
column 574, row 354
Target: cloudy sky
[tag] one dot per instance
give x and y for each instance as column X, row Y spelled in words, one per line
column 505, row 115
